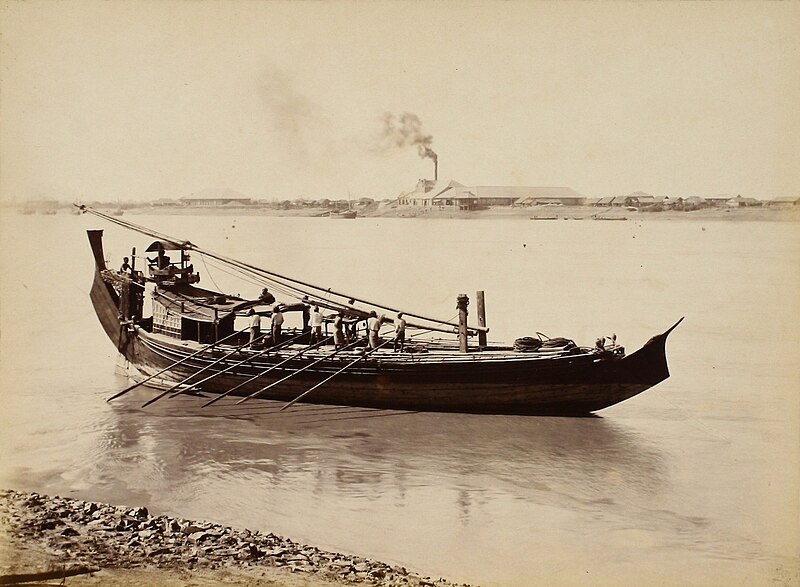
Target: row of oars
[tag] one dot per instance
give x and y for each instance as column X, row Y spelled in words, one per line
column 184, row 386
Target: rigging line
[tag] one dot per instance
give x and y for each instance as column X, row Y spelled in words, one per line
column 256, row 279
column 238, row 275
column 187, row 245
column 133, row 226
column 208, row 272
column 329, row 290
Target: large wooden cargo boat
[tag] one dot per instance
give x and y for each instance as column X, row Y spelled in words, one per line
column 193, row 343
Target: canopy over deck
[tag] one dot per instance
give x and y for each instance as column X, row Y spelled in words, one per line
column 198, row 304
column 165, row 245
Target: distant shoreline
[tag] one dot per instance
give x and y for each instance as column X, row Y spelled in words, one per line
column 536, row 213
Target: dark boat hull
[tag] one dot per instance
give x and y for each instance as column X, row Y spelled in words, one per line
column 515, row 383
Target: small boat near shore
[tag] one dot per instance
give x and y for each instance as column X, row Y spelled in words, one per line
column 193, row 342
column 347, row 214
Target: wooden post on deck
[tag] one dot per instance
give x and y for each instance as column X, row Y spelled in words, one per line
column 461, row 303
column 481, row 318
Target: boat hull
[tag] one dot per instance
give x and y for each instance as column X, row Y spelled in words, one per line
column 479, row 382
column 549, row 386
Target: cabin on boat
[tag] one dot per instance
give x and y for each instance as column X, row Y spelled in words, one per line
column 180, row 309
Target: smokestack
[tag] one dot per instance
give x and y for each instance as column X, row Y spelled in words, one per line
column 436, row 170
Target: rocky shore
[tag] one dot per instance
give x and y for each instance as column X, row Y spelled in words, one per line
column 128, row 546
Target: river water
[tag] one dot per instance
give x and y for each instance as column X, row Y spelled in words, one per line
column 694, row 482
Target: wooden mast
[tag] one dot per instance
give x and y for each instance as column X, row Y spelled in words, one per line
column 481, row 319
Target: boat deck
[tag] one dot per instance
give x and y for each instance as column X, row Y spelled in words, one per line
column 433, row 351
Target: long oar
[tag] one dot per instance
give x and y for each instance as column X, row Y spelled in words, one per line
column 240, row 363
column 293, row 373
column 184, row 359
column 350, row 364
column 256, row 376
column 222, row 358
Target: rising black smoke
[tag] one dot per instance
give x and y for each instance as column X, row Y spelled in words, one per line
column 405, row 130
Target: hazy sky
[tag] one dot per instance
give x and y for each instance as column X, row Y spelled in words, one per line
column 141, row 100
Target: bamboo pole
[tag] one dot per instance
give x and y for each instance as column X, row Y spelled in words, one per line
column 254, row 377
column 350, row 364
column 175, row 364
column 240, row 363
column 222, row 358
column 290, row 375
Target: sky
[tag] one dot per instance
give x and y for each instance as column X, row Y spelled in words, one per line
column 144, row 100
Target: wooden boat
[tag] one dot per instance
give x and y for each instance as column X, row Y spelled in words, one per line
column 343, row 214
column 192, row 344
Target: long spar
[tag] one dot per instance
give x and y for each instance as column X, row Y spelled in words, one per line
column 187, row 245
column 242, row 362
column 324, row 381
column 212, row 364
column 290, row 375
column 225, row 356
column 175, row 364
column 257, row 375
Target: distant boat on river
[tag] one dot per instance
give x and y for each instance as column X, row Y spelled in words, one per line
column 191, row 344
column 343, row 214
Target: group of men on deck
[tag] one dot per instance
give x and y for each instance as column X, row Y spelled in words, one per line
column 315, row 322
column 276, row 325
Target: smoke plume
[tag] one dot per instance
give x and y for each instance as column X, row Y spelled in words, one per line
column 405, row 130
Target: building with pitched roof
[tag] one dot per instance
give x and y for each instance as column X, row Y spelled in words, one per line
column 453, row 194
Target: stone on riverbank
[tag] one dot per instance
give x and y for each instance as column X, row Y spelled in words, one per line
column 110, row 537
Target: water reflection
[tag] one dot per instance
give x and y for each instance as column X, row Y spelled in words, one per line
column 341, row 453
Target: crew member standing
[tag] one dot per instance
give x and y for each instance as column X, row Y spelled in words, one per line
column 126, row 267
column 373, row 326
column 255, row 325
column 399, row 332
column 338, row 330
column 316, row 325
column 277, row 324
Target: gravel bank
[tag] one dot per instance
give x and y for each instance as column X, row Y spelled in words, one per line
column 131, row 547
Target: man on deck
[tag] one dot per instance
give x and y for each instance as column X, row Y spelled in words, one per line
column 373, row 326
column 277, row 324
column 399, row 332
column 255, row 325
column 316, row 325
column 161, row 261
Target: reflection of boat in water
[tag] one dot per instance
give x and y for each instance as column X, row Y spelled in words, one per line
column 190, row 343
column 369, row 451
